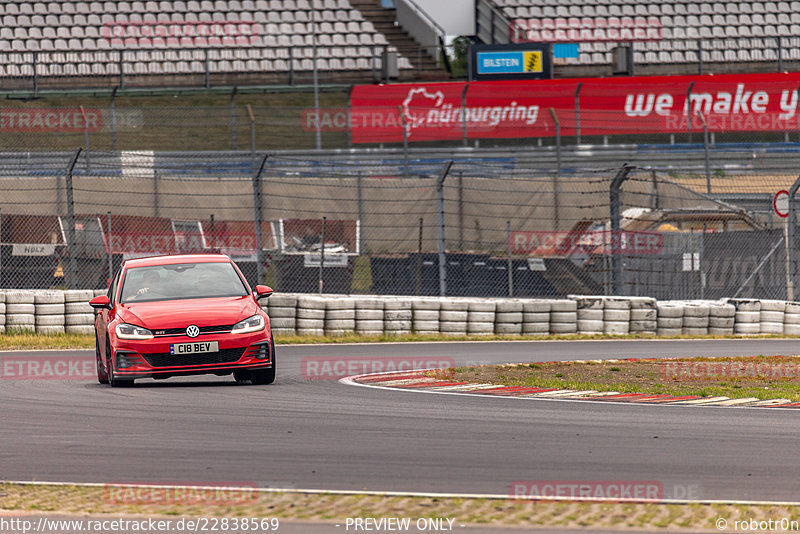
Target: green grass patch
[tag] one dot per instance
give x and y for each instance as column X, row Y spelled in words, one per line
column 762, row 377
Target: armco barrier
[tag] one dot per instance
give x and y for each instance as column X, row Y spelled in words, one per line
column 57, row 311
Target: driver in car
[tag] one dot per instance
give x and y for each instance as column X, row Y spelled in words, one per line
column 150, row 281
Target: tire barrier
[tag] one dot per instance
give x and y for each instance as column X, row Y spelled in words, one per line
column 2, row 313
column 57, row 311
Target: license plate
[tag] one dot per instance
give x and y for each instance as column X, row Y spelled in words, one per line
column 194, row 348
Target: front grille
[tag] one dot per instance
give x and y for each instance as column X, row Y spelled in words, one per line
column 202, row 358
column 164, row 332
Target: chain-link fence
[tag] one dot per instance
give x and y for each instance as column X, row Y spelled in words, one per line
column 391, row 225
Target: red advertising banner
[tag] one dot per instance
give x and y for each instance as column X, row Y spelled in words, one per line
column 509, row 109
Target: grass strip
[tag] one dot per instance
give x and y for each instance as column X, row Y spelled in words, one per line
column 762, row 377
column 330, row 507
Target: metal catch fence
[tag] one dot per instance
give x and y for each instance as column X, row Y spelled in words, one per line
column 393, row 225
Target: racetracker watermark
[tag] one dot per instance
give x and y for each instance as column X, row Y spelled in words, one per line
column 47, row 368
column 336, row 368
column 711, row 370
column 601, row 490
column 599, row 242
column 186, row 493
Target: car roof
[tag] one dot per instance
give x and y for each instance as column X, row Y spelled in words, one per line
column 175, row 258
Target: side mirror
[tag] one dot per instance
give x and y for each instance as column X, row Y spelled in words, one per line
column 101, row 302
column 263, row 292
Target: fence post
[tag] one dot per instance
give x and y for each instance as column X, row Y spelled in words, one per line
column 121, row 60
column 206, row 68
column 558, row 139
column 252, row 134
column 578, row 113
column 233, row 118
column 156, row 203
column 362, row 226
column 780, row 54
column 405, row 139
column 110, row 252
column 322, row 258
column 510, row 262
column 460, row 211
column 1, row 247
column 616, row 217
column 440, row 198
column 71, row 240
column 114, row 119
column 790, row 231
column 86, row 137
column 705, row 149
column 419, row 258
column 35, row 72
column 259, row 217
column 689, row 109
column 464, row 114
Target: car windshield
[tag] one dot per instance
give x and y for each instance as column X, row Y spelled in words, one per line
column 181, row 281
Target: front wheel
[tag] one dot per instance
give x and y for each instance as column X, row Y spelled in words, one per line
column 262, row 377
column 112, row 375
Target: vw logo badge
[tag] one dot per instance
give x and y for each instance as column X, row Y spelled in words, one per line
column 192, row 330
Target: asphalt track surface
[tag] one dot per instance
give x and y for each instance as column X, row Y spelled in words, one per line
column 300, row 433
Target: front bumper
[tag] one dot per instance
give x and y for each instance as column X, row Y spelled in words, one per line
column 152, row 358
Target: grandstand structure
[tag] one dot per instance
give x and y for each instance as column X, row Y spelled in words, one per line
column 667, row 36
column 215, row 41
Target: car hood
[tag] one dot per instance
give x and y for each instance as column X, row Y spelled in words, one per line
column 181, row 313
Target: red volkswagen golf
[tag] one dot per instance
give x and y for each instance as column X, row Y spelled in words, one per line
column 182, row 315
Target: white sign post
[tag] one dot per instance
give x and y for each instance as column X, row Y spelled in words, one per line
column 780, row 203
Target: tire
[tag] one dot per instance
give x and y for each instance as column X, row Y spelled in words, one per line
column 19, row 297
column 113, row 381
column 368, row 304
column 453, row 316
column 50, row 309
column 791, row 318
column 589, row 303
column 721, row 322
column 769, row 316
column 340, row 304
column 49, row 330
column 791, row 329
column 670, row 310
column 397, row 315
column 262, row 377
column 643, row 314
column 748, row 317
column 771, row 328
column 717, row 331
column 564, row 328
column 78, row 295
column 50, row 320
column 590, row 326
column 590, row 314
column 78, row 319
column 508, row 306
column 793, row 307
column 536, row 328
column 369, row 326
column 453, row 327
column 397, row 305
column 563, row 305
column 613, row 315
column 694, row 331
column 773, row 305
column 536, row 317
column 570, row 317
column 536, row 306
column 508, row 328
column 49, row 297
column 304, row 324
column 426, row 326
column 480, row 317
column 369, row 314
column 281, row 312
column 425, row 305
column 102, row 374
column 746, row 305
column 480, row 328
column 746, row 328
column 340, row 315
column 20, row 309
column 668, row 332
column 283, row 301
column 311, row 313
column 2, row 308
column 455, row 305
column 426, row 315
column 722, row 310
column 282, row 322
column 616, row 327
column 616, row 304
column 644, row 326
column 643, row 303
column 695, row 322
column 397, row 326
column 20, row 319
column 482, row 306
column 508, row 317
column 695, row 311
column 669, row 322
column 340, row 324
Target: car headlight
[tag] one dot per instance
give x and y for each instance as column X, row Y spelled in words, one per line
column 251, row 324
column 129, row 331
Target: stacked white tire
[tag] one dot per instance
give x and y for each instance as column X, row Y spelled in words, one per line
column 397, row 315
column 536, row 317
column 670, row 318
column 2, row 312
column 282, row 310
column 453, row 316
column 589, row 314
column 563, row 316
column 508, row 317
column 480, row 319
column 616, row 316
column 20, row 311
column 50, row 310
column 340, row 316
column 369, row 316
column 791, row 319
column 79, row 316
column 310, row 317
column 644, row 316
column 425, row 316
column 721, row 318
column 771, row 316
column 695, row 319
column 747, row 319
